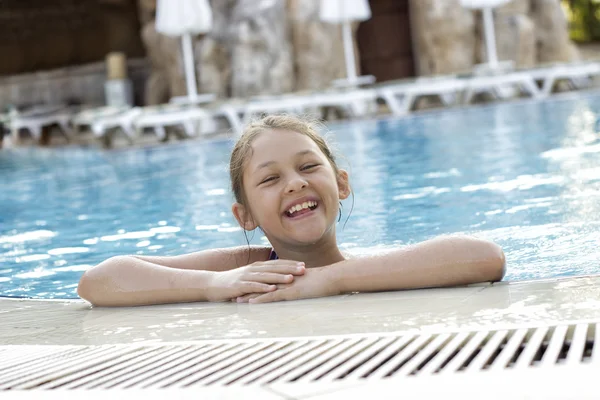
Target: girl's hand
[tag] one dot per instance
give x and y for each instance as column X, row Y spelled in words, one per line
column 316, row 282
column 259, row 277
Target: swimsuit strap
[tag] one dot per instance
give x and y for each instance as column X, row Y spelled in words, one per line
column 273, row 255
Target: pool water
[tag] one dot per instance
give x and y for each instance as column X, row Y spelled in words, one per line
column 526, row 175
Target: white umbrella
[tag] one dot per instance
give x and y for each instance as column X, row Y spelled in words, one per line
column 486, row 7
column 344, row 12
column 185, row 18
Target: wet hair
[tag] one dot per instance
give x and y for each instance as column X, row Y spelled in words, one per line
column 243, row 147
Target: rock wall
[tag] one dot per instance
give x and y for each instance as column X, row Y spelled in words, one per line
column 254, row 48
column 448, row 38
column 261, row 53
column 551, row 32
column 515, row 35
column 443, row 36
column 276, row 46
column 167, row 78
column 318, row 49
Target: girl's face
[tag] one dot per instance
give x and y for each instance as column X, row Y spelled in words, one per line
column 291, row 189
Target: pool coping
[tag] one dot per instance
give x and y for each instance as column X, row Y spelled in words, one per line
column 504, row 305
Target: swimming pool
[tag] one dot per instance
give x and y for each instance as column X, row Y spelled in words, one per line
column 526, row 175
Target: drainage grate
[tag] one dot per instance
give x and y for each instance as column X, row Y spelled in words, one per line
column 324, row 359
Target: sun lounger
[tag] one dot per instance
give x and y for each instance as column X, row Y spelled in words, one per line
column 293, row 103
column 37, row 118
column 193, row 120
column 354, row 82
column 400, row 96
column 578, row 75
column 198, row 99
column 501, row 85
column 102, row 119
column 355, row 102
column 231, row 110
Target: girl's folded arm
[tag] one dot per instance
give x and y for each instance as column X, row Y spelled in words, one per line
column 212, row 260
column 440, row 262
column 139, row 280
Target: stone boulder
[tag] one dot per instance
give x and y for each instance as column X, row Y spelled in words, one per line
column 261, row 52
column 515, row 38
column 213, row 66
column 443, row 36
column 167, row 78
column 552, row 34
column 515, row 7
column 317, row 46
column 146, row 11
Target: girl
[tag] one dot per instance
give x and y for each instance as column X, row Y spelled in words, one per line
column 286, row 182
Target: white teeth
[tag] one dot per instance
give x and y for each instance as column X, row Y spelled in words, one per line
column 302, row 206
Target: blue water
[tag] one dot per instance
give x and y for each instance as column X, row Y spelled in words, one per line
column 526, row 175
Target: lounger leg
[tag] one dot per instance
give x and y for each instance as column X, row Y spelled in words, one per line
column 98, row 130
column 190, row 127
column 392, row 103
column 36, row 131
column 129, row 132
column 66, row 130
column 357, row 108
column 448, row 99
column 532, row 88
column 160, row 132
column 548, row 86
column 469, row 94
column 233, row 118
column 246, row 118
column 408, row 103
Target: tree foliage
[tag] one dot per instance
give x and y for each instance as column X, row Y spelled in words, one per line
column 584, row 19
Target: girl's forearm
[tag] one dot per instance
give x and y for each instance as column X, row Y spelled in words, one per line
column 446, row 261
column 129, row 281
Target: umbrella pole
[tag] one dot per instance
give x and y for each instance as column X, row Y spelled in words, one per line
column 490, row 37
column 349, row 51
column 188, row 63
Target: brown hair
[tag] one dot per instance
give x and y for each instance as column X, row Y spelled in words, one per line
column 243, row 147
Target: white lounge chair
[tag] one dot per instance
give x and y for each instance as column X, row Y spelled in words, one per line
column 102, row 119
column 35, row 119
column 196, row 100
column 231, row 110
column 158, row 118
column 401, row 96
column 355, row 102
column 293, row 103
column 578, row 74
column 501, row 85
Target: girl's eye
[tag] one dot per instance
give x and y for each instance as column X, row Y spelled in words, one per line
column 308, row 166
column 269, row 179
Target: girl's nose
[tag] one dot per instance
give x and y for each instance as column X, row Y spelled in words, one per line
column 295, row 185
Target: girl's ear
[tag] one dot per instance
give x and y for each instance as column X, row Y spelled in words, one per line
column 343, row 184
column 243, row 217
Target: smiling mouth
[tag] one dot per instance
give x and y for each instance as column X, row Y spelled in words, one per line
column 301, row 209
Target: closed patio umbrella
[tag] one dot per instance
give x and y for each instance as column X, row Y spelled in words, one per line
column 486, row 7
column 185, row 18
column 345, row 12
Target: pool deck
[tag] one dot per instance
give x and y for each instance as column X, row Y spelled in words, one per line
column 504, row 305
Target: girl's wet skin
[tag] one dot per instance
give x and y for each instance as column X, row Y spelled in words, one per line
column 286, row 182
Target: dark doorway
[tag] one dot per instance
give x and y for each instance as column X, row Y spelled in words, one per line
column 46, row 34
column 384, row 41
